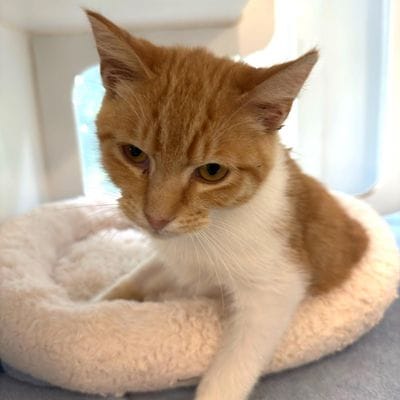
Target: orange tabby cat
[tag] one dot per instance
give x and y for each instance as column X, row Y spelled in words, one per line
column 191, row 140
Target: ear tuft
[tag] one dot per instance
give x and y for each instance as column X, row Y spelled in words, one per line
column 271, row 100
column 116, row 48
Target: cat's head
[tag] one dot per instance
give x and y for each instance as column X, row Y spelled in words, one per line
column 183, row 132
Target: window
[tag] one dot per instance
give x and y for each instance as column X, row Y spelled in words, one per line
column 87, row 96
column 394, row 222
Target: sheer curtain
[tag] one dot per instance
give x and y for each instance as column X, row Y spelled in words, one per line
column 339, row 127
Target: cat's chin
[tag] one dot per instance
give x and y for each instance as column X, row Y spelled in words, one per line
column 163, row 235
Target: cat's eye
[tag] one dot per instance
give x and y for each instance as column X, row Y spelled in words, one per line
column 134, row 154
column 212, row 172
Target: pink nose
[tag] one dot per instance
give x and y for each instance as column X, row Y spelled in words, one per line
column 156, row 223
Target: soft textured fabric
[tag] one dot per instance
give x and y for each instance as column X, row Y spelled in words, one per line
column 55, row 258
column 367, row 370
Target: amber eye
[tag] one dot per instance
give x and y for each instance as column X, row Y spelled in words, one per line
column 134, row 154
column 212, row 172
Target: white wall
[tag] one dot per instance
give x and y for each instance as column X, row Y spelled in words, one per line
column 21, row 164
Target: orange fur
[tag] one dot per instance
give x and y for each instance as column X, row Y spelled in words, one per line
column 185, row 108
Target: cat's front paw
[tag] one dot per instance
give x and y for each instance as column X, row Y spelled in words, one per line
column 208, row 392
column 210, row 396
column 220, row 387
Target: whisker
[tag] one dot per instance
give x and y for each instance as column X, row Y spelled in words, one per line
column 197, row 258
column 215, row 242
column 219, row 283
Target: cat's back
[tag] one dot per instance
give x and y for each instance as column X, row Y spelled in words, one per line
column 329, row 242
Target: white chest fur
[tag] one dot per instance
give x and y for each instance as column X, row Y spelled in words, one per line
column 246, row 245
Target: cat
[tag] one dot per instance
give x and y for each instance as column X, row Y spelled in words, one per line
column 192, row 142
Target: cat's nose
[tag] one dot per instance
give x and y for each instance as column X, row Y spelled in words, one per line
column 157, row 223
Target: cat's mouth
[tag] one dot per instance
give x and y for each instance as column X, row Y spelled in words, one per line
column 165, row 232
column 162, row 234
column 156, row 234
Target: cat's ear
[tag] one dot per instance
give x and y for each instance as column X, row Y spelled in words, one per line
column 270, row 101
column 122, row 57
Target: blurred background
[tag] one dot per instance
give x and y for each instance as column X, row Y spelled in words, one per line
column 344, row 129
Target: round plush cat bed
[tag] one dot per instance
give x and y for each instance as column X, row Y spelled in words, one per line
column 53, row 260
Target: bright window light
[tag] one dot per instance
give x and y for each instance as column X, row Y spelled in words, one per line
column 87, row 96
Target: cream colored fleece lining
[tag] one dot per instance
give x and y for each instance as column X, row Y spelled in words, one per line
column 55, row 258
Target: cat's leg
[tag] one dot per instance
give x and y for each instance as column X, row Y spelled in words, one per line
column 250, row 337
column 148, row 279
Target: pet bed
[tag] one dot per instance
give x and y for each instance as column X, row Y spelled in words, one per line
column 56, row 258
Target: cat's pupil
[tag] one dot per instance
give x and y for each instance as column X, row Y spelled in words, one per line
column 135, row 151
column 213, row 168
